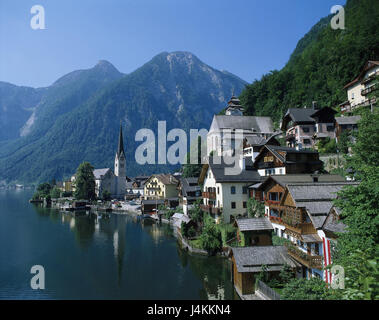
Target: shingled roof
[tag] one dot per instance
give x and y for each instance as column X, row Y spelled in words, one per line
column 218, row 170
column 254, row 124
column 252, row 224
column 348, row 120
column 251, row 259
column 317, row 198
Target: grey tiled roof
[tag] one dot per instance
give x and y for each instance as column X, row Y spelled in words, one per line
column 316, row 191
column 260, row 124
column 185, row 182
column 251, row 224
column 100, row 172
column 251, row 259
column 248, row 176
column 348, row 120
column 301, row 114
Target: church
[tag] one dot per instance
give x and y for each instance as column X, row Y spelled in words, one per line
column 113, row 181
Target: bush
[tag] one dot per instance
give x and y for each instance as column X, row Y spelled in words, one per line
column 55, row 193
column 210, row 238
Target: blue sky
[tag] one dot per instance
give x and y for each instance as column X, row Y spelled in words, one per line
column 246, row 37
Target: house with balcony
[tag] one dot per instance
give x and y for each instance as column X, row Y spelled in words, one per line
column 278, row 160
column 161, row 186
column 228, row 131
column 361, row 87
column 252, row 145
column 225, row 195
column 189, row 192
column 303, row 127
column 301, row 212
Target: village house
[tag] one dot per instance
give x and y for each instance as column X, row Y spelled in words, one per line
column 161, row 186
column 346, row 124
column 252, row 145
column 303, row 127
column 358, row 89
column 278, row 160
column 301, row 212
column 225, row 196
column 136, row 186
column 247, row 263
column 254, row 231
column 221, row 137
column 189, row 192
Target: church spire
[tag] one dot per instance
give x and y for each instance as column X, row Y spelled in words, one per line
column 120, row 148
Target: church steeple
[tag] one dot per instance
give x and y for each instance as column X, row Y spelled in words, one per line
column 120, row 148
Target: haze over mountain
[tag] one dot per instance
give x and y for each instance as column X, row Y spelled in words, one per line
column 77, row 118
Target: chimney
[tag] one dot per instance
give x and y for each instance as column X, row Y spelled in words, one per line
column 314, row 105
column 242, row 163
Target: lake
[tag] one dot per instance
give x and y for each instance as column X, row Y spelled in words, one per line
column 86, row 257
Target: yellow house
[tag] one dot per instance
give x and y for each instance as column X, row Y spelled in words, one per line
column 160, row 186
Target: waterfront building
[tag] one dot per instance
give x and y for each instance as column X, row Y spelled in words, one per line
column 161, row 186
column 189, row 192
column 254, row 231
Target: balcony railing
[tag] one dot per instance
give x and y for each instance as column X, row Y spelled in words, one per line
column 276, row 219
column 304, row 258
column 210, row 209
column 209, row 195
column 369, row 89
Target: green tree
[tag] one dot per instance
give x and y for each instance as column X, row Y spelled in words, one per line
column 303, row 289
column 106, row 195
column 359, row 206
column 55, row 192
column 85, row 182
column 189, row 169
column 43, row 191
column 210, row 238
column 255, row 208
column 196, row 213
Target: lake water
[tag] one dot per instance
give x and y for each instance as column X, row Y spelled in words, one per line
column 89, row 258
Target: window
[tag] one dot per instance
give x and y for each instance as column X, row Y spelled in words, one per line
column 305, row 129
column 330, row 128
column 307, row 141
column 352, row 95
column 244, row 204
column 233, row 190
column 244, row 190
column 218, row 190
column 233, row 205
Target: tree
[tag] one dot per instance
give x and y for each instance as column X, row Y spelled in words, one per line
column 210, row 238
column 55, row 192
column 359, row 212
column 193, row 170
column 106, row 195
column 196, row 213
column 255, row 208
column 85, row 182
column 303, row 289
column 286, row 274
column 43, row 191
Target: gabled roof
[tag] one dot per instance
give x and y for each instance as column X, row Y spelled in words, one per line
column 251, row 259
column 331, row 225
column 348, row 120
column 166, row 179
column 283, row 180
column 278, row 150
column 256, row 124
column 317, row 198
column 98, row 173
column 254, row 224
column 369, row 65
column 248, row 175
column 186, row 187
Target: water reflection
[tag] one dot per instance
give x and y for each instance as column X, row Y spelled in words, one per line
column 126, row 238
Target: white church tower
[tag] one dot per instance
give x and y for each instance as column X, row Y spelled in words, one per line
column 120, row 167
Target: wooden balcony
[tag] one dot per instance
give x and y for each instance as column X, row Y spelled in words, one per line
column 301, row 228
column 210, row 209
column 368, row 90
column 304, row 258
column 276, row 220
column 209, row 195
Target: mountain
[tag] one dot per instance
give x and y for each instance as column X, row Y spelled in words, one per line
column 322, row 63
column 78, row 118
